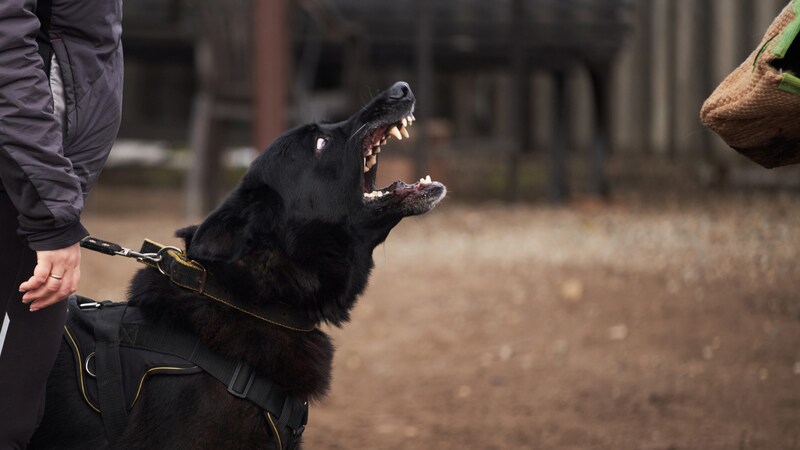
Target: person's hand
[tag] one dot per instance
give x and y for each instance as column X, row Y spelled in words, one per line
column 55, row 277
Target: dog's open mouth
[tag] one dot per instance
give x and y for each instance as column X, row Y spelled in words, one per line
column 416, row 198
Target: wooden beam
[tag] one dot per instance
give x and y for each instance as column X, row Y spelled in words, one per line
column 520, row 114
column 703, row 57
column 558, row 176
column 425, row 74
column 671, row 49
column 271, row 63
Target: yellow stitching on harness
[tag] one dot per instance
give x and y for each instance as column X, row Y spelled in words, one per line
column 180, row 257
column 305, row 330
column 80, row 370
column 153, row 369
column 141, row 381
column 275, row 429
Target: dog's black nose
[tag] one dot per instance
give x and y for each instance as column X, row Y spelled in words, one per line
column 400, row 90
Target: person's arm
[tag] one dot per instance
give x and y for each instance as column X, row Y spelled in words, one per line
column 36, row 175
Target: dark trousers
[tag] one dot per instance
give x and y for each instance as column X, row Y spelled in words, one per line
column 29, row 341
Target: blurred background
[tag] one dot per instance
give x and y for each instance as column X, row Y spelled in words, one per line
column 605, row 273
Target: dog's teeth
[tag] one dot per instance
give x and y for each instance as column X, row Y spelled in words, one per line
column 396, row 133
column 376, row 150
column 374, row 194
column 404, row 132
column 365, row 166
column 412, row 118
column 404, row 121
column 428, row 179
column 371, row 162
column 384, row 140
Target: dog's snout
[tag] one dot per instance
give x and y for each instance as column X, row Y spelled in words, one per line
column 400, row 90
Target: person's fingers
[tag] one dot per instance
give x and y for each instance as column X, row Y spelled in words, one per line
column 54, row 292
column 50, row 287
column 55, row 276
column 40, row 276
column 76, row 280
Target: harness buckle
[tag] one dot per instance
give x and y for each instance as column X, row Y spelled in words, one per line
column 303, row 422
column 232, row 384
column 90, row 305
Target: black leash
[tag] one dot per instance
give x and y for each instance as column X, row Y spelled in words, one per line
column 173, row 263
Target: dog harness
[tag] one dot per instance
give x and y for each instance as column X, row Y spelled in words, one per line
column 116, row 350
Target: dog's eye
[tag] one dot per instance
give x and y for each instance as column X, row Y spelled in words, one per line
column 321, row 143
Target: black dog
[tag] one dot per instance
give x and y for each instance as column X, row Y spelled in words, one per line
column 298, row 230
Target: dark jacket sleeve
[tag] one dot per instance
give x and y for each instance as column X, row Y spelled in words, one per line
column 47, row 175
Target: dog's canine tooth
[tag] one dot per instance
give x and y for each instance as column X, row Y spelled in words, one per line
column 404, row 121
column 404, row 132
column 370, row 162
column 396, row 133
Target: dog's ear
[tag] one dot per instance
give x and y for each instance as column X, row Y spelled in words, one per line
column 219, row 238
column 242, row 221
column 186, row 234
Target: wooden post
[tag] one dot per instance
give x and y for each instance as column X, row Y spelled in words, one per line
column 745, row 29
column 645, row 60
column 704, row 57
column 520, row 107
column 559, row 185
column 425, row 80
column 601, row 86
column 271, row 44
column 671, row 48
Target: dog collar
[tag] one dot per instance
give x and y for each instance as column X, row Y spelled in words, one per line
column 173, row 263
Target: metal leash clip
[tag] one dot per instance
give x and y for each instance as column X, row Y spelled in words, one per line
column 158, row 257
column 110, row 248
column 153, row 257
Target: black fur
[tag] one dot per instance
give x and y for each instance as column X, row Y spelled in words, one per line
column 297, row 230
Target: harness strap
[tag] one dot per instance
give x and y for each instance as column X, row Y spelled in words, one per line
column 238, row 376
column 110, row 395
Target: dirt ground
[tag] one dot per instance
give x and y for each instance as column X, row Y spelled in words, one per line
column 663, row 320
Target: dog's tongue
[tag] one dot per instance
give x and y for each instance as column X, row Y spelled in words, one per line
column 402, row 189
